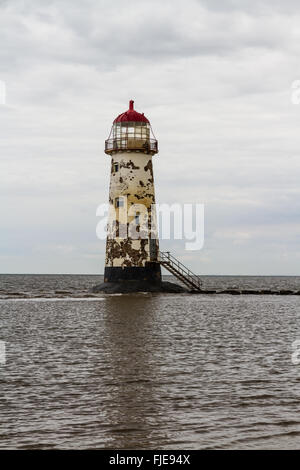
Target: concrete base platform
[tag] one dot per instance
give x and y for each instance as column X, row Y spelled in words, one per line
column 127, row 287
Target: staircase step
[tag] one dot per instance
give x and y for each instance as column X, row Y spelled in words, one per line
column 180, row 271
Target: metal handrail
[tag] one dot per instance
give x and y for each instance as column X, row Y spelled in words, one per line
column 131, row 143
column 169, row 257
column 166, row 257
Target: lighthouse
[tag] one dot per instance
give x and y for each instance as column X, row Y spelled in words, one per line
column 132, row 240
column 132, row 259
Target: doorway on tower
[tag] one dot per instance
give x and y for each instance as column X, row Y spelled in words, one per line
column 152, row 249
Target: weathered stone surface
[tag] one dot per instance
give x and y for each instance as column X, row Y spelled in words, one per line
column 206, row 291
column 229, row 291
column 170, row 287
column 285, row 292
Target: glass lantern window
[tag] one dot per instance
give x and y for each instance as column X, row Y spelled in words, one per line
column 122, row 131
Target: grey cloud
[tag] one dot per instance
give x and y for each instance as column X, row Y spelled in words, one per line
column 213, row 77
column 111, row 34
column 255, row 6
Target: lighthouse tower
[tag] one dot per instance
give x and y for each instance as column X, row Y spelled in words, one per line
column 132, row 241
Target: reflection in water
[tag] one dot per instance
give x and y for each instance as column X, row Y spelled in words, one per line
column 150, row 371
column 130, row 327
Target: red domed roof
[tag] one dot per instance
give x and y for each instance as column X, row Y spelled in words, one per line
column 131, row 115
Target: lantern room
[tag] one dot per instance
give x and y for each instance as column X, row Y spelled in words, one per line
column 131, row 131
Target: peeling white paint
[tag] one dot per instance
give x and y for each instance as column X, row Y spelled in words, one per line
column 134, row 182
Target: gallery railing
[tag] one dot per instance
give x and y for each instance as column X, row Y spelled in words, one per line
column 144, row 145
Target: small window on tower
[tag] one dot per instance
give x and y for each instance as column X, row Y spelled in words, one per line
column 137, row 219
column 119, row 202
column 116, row 167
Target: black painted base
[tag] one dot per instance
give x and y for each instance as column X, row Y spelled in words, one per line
column 132, row 279
column 151, row 273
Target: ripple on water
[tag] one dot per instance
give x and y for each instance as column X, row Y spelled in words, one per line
column 148, row 371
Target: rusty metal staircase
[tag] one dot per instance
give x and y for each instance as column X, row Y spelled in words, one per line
column 179, row 270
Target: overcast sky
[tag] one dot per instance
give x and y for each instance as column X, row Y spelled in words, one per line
column 214, row 78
